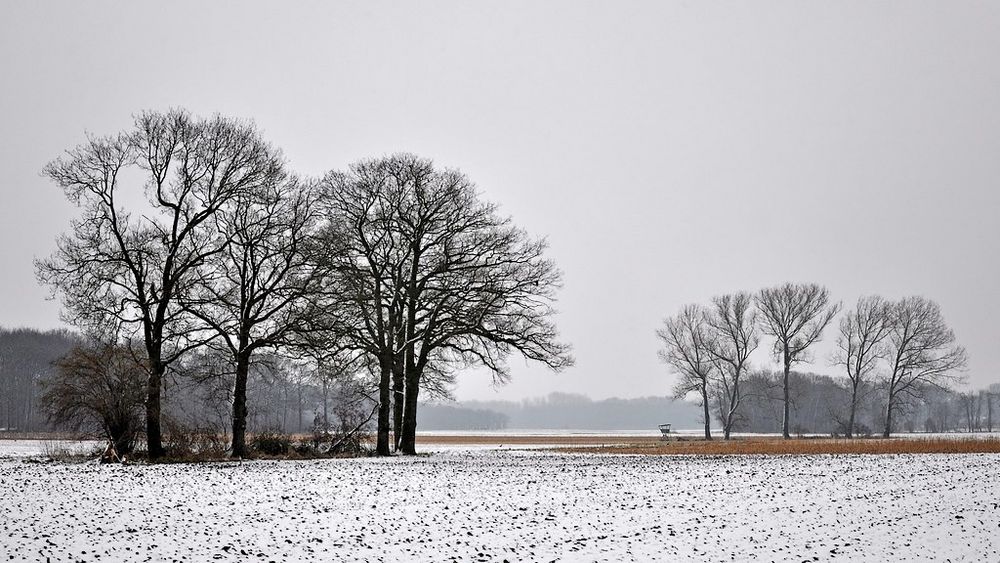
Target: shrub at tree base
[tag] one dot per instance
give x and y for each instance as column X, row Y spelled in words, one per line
column 271, row 442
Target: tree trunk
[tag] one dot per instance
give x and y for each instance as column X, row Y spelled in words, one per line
column 384, row 407
column 854, row 408
column 397, row 401
column 409, row 443
column 708, row 418
column 734, row 403
column 326, row 402
column 240, row 406
column 989, row 412
column 298, row 394
column 785, row 414
column 888, row 417
column 154, row 440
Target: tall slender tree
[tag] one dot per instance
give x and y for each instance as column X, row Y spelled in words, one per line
column 860, row 346
column 733, row 320
column 688, row 348
column 255, row 293
column 795, row 315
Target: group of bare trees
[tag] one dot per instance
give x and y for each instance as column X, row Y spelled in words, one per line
column 906, row 345
column 709, row 348
column 427, row 279
column 897, row 348
column 194, row 235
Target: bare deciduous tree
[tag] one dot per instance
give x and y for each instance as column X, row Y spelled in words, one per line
column 733, row 320
column 432, row 277
column 795, row 315
column 921, row 351
column 360, row 310
column 254, row 293
column 477, row 290
column 126, row 267
column 99, row 385
column 859, row 346
column 688, row 349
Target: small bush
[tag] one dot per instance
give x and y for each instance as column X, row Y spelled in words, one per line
column 271, row 442
column 197, row 443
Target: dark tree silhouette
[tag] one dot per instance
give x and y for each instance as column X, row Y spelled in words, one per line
column 254, row 293
column 860, row 346
column 921, row 353
column 687, row 348
column 126, row 268
column 734, row 337
column 99, row 385
column 795, row 315
column 433, row 277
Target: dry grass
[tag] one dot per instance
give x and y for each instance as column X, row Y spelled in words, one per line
column 801, row 446
column 555, row 440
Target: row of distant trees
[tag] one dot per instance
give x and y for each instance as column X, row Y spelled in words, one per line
column 26, row 361
column 899, row 349
column 195, row 236
column 820, row 404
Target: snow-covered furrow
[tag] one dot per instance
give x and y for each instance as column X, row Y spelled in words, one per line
column 518, row 506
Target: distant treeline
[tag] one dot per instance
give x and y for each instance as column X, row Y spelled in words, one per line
column 817, row 405
column 291, row 399
column 26, row 361
column 560, row 411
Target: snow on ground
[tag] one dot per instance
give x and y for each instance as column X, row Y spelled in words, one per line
column 488, row 505
column 49, row 448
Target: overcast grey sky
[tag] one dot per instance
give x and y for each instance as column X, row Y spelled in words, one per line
column 669, row 151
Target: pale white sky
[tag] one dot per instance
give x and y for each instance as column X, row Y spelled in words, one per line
column 668, row 150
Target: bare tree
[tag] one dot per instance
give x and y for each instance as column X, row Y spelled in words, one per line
column 477, row 288
column 126, row 268
column 254, row 294
column 972, row 405
column 921, row 352
column 795, row 315
column 99, row 385
column 991, row 394
column 733, row 320
column 360, row 310
column 688, row 349
column 859, row 346
column 432, row 278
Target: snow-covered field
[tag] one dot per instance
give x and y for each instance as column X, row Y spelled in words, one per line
column 485, row 505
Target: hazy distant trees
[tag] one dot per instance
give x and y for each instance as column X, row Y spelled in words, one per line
column 921, row 352
column 795, row 315
column 687, row 347
column 125, row 266
column 859, row 346
column 99, row 385
column 26, row 361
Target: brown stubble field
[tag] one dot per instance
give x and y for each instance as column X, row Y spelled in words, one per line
column 651, row 445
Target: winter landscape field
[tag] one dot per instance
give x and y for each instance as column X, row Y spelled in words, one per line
column 487, row 504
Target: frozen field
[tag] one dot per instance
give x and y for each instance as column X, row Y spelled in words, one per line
column 484, row 505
